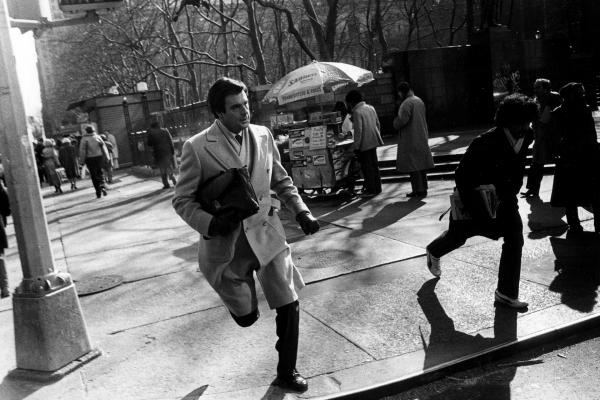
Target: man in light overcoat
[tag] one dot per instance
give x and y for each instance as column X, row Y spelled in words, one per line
column 413, row 156
column 231, row 251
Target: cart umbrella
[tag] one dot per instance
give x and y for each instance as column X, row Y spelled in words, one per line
column 314, row 79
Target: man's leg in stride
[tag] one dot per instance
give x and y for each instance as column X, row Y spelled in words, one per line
column 287, row 322
column 447, row 242
column 509, row 272
column 163, row 165
column 534, row 179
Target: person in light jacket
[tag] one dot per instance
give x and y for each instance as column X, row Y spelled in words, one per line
column 231, row 251
column 115, row 149
column 367, row 138
column 413, row 156
column 93, row 152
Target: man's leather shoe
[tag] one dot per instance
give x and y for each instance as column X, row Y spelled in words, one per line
column 509, row 301
column 294, row 382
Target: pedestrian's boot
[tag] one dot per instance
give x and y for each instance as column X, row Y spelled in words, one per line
column 287, row 322
column 173, row 179
column 4, row 291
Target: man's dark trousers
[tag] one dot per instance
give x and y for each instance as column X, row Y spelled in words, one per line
column 534, row 178
column 287, row 324
column 165, row 164
column 370, row 170
column 418, row 181
column 510, row 228
column 94, row 165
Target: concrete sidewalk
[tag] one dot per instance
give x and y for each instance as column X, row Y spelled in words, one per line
column 371, row 314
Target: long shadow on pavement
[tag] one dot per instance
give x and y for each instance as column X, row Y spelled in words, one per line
column 114, row 217
column 150, row 195
column 544, row 220
column 578, row 270
column 389, row 214
column 447, row 344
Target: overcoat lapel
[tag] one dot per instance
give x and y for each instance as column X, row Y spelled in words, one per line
column 220, row 149
column 259, row 143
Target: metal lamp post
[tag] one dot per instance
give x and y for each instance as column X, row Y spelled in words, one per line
column 50, row 332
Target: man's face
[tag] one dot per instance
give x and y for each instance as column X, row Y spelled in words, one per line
column 401, row 96
column 539, row 91
column 519, row 130
column 237, row 113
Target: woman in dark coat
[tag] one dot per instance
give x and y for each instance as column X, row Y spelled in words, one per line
column 576, row 180
column 67, row 155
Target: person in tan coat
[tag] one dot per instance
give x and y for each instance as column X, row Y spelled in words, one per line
column 231, row 251
column 413, row 156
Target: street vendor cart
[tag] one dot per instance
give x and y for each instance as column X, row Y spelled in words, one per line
column 315, row 151
column 317, row 154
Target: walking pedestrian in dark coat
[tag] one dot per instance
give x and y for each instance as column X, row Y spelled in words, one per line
column 577, row 176
column 495, row 158
column 67, row 155
column 163, row 149
column 545, row 143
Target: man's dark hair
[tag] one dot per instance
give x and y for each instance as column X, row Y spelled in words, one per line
column 543, row 83
column 514, row 110
column 219, row 90
column 354, row 97
column 404, row 87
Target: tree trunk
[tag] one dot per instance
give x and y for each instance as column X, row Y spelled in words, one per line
column 261, row 71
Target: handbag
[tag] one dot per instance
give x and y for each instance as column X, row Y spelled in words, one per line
column 62, row 174
column 229, row 192
column 488, row 197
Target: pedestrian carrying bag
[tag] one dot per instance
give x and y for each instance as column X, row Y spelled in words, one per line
column 62, row 174
column 489, row 199
column 229, row 192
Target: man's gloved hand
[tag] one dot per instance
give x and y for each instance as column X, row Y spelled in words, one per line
column 223, row 225
column 307, row 222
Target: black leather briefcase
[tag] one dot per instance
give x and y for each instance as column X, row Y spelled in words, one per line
column 228, row 193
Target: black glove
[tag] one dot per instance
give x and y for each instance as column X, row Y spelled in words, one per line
column 223, row 225
column 307, row 222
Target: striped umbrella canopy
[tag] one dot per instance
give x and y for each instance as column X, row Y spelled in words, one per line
column 314, row 79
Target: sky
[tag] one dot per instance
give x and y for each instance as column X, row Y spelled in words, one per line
column 26, row 61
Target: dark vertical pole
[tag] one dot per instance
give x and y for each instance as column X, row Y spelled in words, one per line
column 130, row 134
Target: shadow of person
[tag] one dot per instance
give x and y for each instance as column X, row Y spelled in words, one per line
column 196, row 393
column 577, row 265
column 388, row 215
column 544, row 220
column 446, row 344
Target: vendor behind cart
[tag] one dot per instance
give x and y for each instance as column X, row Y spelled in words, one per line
column 347, row 128
column 367, row 138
